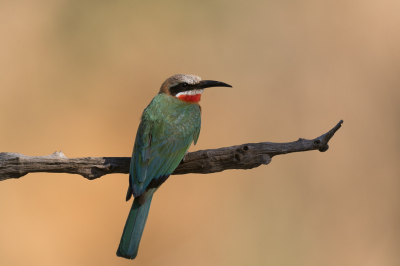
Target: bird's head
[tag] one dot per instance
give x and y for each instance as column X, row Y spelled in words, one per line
column 188, row 88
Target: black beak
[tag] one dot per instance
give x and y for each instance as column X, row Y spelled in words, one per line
column 211, row 83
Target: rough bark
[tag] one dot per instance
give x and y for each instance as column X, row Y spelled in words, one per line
column 245, row 156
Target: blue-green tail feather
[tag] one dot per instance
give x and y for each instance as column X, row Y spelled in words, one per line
column 129, row 244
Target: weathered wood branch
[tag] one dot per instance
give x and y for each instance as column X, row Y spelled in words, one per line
column 245, row 156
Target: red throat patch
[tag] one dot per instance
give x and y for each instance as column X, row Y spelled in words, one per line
column 190, row 98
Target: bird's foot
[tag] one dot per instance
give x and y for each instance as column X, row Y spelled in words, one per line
column 184, row 158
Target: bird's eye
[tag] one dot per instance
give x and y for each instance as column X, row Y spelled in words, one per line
column 184, row 85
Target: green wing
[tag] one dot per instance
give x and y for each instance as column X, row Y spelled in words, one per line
column 161, row 143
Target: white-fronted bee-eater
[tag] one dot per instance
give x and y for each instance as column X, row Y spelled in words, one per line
column 169, row 125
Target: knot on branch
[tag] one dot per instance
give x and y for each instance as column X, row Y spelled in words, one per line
column 239, row 154
column 321, row 147
column 249, row 157
column 322, row 142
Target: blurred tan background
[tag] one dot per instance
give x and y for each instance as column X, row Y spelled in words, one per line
column 76, row 75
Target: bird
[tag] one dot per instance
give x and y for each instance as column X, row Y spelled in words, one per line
column 168, row 126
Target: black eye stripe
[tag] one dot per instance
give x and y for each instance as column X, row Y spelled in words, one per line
column 180, row 88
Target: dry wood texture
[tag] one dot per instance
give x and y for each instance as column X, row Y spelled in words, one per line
column 245, row 156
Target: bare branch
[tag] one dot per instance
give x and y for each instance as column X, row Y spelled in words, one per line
column 245, row 156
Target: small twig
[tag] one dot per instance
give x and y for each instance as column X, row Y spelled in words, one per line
column 245, row 156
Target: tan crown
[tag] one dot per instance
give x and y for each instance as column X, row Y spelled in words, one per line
column 179, row 78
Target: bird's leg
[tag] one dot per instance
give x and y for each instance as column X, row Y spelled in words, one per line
column 184, row 158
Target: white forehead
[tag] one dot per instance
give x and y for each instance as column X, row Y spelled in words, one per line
column 180, row 78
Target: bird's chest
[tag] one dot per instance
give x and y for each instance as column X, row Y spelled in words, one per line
column 181, row 121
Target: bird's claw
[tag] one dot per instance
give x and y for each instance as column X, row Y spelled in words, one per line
column 184, row 157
